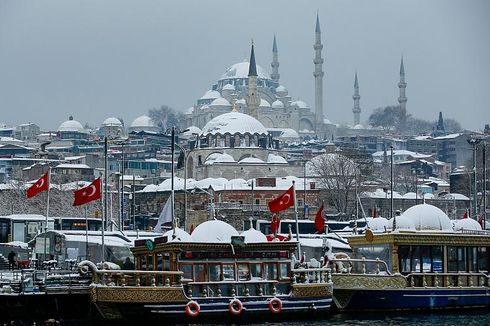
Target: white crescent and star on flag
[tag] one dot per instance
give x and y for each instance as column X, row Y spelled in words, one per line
column 92, row 190
column 285, row 199
column 40, row 183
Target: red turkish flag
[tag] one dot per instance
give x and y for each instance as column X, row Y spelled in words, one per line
column 39, row 186
column 282, row 202
column 89, row 193
column 320, row 221
column 275, row 224
column 465, row 214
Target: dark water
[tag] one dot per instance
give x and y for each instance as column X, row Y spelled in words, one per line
column 461, row 318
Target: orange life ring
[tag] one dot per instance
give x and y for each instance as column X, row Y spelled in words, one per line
column 235, row 307
column 275, row 305
column 192, row 308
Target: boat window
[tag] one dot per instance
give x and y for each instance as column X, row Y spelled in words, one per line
column 425, row 251
column 271, row 271
column 143, row 263
column 415, row 259
column 228, row 271
column 149, row 263
column 199, row 273
column 243, row 272
column 166, row 263
column 187, row 270
column 283, row 270
column 452, row 256
column 483, row 259
column 159, row 262
column 214, row 272
column 404, row 258
column 461, row 259
column 256, row 271
column 382, row 252
column 437, row 259
column 472, row 258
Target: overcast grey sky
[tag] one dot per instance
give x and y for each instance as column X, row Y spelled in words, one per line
column 98, row 58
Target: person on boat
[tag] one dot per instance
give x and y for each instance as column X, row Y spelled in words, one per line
column 128, row 264
column 11, row 259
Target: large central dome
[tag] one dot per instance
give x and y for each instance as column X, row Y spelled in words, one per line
column 234, row 123
column 240, row 70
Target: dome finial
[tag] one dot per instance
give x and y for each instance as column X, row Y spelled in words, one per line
column 233, row 107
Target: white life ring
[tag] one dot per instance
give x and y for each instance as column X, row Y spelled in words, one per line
column 235, row 307
column 275, row 305
column 192, row 308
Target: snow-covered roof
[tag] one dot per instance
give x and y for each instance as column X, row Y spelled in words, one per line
column 228, row 87
column 240, row 70
column 455, row 196
column 326, row 121
column 277, row 104
column 402, row 223
column 264, row 104
column 72, row 166
column 210, row 95
column 410, row 195
column 177, row 235
column 276, row 159
column 28, row 217
column 451, row 136
column 401, row 152
column 253, row 236
column 219, row 158
column 378, row 224
column 220, row 101
column 379, row 193
column 241, row 101
column 428, row 217
column 142, row 121
column 189, row 110
column 300, row 104
column 289, row 133
column 233, row 123
column 251, row 160
column 281, row 89
column 112, row 122
column 191, row 131
column 358, row 126
column 213, row 231
column 71, row 126
column 466, row 224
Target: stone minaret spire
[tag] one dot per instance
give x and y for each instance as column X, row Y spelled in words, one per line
column 318, row 74
column 356, row 97
column 253, row 99
column 275, row 62
column 402, row 99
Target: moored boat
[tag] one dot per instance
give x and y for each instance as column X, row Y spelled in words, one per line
column 213, row 275
column 420, row 261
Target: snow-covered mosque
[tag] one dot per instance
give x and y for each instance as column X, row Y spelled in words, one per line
column 253, row 91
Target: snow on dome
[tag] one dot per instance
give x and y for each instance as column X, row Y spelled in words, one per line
column 276, row 159
column 177, row 234
column 253, row 236
column 233, row 123
column 264, row 104
column 300, row 104
column 240, row 70
column 220, row 101
column 142, row 121
column 228, row 87
column 241, row 101
column 410, row 195
column 71, row 126
column 112, row 122
column 281, row 91
column 402, row 223
column 213, row 231
column 358, row 126
column 277, row 104
column 219, row 158
column 326, row 121
column 428, row 217
column 289, row 134
column 251, row 160
column 467, row 224
column 189, row 110
column 210, row 95
column 378, row 224
column 455, row 196
column 191, row 131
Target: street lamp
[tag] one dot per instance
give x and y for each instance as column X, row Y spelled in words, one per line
column 474, row 143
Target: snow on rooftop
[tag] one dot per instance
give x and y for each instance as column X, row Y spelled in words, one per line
column 219, row 158
column 450, row 136
column 276, row 159
column 220, row 101
column 210, row 95
column 277, row 104
column 251, row 160
column 233, row 123
column 214, row 231
column 240, row 70
column 72, row 166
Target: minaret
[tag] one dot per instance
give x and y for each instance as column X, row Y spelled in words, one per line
column 402, row 99
column 318, row 74
column 356, row 97
column 253, row 99
column 275, row 62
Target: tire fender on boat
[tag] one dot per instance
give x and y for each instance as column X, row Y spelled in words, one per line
column 192, row 308
column 235, row 307
column 275, row 305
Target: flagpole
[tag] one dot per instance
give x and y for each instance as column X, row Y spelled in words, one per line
column 172, row 149
column 47, row 214
column 296, row 216
column 104, row 203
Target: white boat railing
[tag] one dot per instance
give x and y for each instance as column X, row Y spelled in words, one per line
column 451, row 279
column 359, row 266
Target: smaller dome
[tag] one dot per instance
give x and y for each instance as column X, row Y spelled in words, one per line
column 402, row 223
column 326, row 121
column 214, row 231
column 359, row 126
column 300, row 104
column 177, row 235
column 241, row 101
column 210, row 95
column 410, row 195
column 378, row 224
column 289, row 133
column 232, row 123
column 276, row 159
column 251, row 160
column 277, row 105
column 114, row 122
column 228, row 87
column 219, row 158
column 220, row 101
column 264, row 104
column 254, row 236
column 467, row 224
column 142, row 121
column 281, row 91
column 428, row 217
column 71, row 126
column 191, row 131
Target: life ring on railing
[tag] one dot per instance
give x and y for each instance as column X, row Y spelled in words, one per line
column 192, row 308
column 235, row 307
column 275, row 305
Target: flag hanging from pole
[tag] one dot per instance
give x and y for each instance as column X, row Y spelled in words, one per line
column 282, row 202
column 320, row 220
column 275, row 221
column 165, row 215
column 39, row 186
column 89, row 193
column 465, row 214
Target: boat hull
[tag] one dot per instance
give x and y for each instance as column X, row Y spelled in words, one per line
column 408, row 298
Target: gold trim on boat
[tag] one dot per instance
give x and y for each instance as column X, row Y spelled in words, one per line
column 137, row 294
column 375, row 282
column 311, row 290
